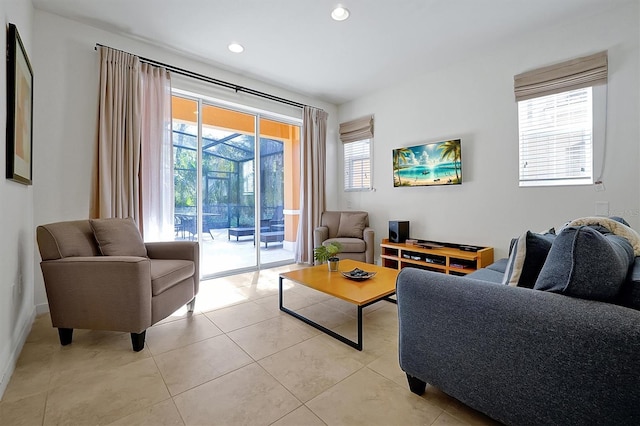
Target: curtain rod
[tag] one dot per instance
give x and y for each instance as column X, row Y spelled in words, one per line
column 215, row 81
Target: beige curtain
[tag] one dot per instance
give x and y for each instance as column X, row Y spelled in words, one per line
column 156, row 165
column 312, row 180
column 130, row 164
column 569, row 75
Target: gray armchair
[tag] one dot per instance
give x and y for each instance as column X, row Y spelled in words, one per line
column 350, row 229
column 100, row 275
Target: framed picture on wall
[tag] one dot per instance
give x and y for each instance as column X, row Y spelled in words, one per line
column 19, row 110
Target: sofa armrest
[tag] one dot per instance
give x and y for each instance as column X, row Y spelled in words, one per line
column 369, row 235
column 114, row 292
column 521, row 356
column 184, row 250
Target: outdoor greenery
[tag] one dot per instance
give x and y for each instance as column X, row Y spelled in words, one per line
column 226, row 195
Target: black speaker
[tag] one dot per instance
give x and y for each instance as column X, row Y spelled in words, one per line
column 398, row 231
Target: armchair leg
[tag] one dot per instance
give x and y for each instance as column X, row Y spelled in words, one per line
column 416, row 385
column 191, row 305
column 66, row 335
column 137, row 340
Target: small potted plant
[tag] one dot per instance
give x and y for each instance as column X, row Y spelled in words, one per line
column 327, row 253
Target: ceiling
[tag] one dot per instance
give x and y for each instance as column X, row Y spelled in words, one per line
column 294, row 44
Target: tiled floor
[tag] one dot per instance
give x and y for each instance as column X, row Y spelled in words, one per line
column 237, row 360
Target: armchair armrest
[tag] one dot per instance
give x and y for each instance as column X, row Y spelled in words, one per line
column 183, row 250
column 101, row 285
column 320, row 234
column 475, row 340
column 368, row 235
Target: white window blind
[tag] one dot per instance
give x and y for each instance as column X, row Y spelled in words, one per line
column 556, row 139
column 357, row 165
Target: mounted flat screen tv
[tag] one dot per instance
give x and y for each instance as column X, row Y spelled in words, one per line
column 438, row 163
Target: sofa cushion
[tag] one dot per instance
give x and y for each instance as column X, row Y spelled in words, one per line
column 526, row 259
column 167, row 273
column 118, row 237
column 630, row 291
column 586, row 264
column 349, row 245
column 488, row 275
column 351, row 225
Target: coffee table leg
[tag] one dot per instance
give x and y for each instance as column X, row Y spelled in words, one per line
column 356, row 345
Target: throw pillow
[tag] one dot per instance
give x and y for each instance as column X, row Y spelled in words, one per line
column 118, row 237
column 351, row 225
column 586, row 264
column 526, row 259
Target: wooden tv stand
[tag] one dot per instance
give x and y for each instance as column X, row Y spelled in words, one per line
column 447, row 260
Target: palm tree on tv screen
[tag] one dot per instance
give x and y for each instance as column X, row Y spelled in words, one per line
column 400, row 157
column 450, row 150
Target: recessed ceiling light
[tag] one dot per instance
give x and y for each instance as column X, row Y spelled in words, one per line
column 236, row 48
column 340, row 13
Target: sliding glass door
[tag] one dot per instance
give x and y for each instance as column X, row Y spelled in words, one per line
column 236, row 185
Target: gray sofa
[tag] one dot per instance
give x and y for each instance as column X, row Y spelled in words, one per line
column 527, row 356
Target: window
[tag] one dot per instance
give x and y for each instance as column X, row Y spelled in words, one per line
column 357, row 165
column 247, row 177
column 357, row 138
column 555, row 133
column 561, row 118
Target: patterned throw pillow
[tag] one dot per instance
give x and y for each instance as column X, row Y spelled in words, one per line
column 526, row 259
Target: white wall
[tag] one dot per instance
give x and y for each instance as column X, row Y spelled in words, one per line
column 473, row 100
column 16, row 218
column 66, row 113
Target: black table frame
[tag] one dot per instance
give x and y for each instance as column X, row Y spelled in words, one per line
column 357, row 345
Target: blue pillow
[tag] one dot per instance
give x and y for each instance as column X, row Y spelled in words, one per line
column 586, row 264
column 527, row 256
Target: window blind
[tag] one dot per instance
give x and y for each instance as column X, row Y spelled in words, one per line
column 569, row 75
column 555, row 134
column 357, row 165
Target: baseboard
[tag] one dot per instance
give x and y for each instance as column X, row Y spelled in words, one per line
column 12, row 358
column 42, row 308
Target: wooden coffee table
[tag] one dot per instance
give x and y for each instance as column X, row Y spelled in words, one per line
column 359, row 293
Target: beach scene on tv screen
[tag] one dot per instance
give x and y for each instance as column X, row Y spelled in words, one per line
column 438, row 163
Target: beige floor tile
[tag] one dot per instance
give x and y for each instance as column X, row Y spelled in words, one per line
column 301, row 416
column 75, row 361
column 33, row 371
column 192, row 365
column 389, row 367
column 216, row 294
column 468, row 415
column 326, row 315
column 163, row 413
column 105, row 395
column 446, row 419
column 23, row 412
column 248, row 396
column 42, row 331
column 366, row 398
column 239, row 316
column 270, row 336
column 311, row 367
column 165, row 337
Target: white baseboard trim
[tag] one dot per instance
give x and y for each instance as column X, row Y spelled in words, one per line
column 10, row 366
column 42, row 308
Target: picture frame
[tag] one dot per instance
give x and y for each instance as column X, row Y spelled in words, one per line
column 19, row 110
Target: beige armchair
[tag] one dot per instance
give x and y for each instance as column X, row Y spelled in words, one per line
column 349, row 228
column 100, row 275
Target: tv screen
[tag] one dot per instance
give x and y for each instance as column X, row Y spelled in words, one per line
column 438, row 163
